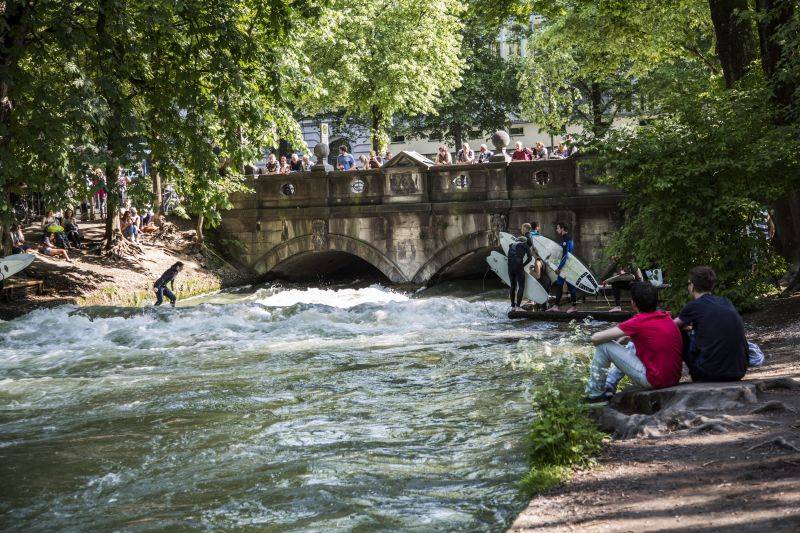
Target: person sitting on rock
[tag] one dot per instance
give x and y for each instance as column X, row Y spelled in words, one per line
column 652, row 358
column 716, row 348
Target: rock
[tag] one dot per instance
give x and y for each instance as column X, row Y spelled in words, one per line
column 652, row 413
column 771, row 407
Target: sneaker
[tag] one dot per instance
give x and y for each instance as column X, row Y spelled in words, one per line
column 615, row 310
column 554, row 309
column 600, row 398
column 572, row 309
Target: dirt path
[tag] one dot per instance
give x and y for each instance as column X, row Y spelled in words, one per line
column 92, row 279
column 708, row 481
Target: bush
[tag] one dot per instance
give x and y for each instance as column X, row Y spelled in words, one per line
column 563, row 435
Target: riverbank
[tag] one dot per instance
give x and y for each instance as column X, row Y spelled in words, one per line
column 94, row 279
column 740, row 475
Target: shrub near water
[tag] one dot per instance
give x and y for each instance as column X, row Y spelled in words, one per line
column 563, row 435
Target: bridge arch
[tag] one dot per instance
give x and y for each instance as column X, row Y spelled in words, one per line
column 463, row 254
column 307, row 245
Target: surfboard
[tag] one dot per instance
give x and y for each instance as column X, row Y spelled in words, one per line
column 533, row 289
column 12, row 264
column 574, row 271
column 621, row 277
column 506, row 240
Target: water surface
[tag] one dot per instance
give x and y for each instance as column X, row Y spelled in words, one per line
column 280, row 409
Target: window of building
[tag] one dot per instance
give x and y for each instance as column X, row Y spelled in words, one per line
column 397, row 139
column 514, row 48
column 517, row 132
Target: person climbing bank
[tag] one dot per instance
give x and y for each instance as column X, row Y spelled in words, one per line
column 160, row 285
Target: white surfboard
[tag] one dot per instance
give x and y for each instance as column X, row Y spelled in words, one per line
column 506, row 240
column 574, row 271
column 12, row 264
column 533, row 289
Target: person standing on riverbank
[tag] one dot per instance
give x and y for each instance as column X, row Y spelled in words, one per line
column 160, row 285
column 652, row 358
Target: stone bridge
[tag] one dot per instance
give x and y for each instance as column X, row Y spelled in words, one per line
column 410, row 220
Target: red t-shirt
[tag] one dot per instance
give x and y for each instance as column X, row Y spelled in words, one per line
column 658, row 345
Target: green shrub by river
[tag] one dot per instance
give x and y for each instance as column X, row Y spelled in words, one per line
column 563, row 436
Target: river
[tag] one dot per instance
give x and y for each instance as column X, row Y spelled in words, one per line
column 271, row 408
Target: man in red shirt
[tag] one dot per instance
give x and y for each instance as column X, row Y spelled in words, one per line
column 653, row 358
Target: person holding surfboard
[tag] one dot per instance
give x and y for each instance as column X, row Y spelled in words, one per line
column 519, row 255
column 567, row 246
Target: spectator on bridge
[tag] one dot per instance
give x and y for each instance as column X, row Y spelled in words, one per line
column 364, row 162
column 345, row 161
column 374, row 160
column 465, row 155
column 485, row 154
column 284, row 165
column 294, row 164
column 387, row 157
column 540, row 151
column 571, row 148
column 443, row 157
column 305, row 163
column 561, row 152
column 520, row 153
column 273, row 167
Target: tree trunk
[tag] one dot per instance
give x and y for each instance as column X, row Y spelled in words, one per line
column 156, row 176
column 787, row 235
column 112, row 205
column 596, row 95
column 734, row 34
column 377, row 129
column 200, row 220
column 773, row 14
column 458, row 135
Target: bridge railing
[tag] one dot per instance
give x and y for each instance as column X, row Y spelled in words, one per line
column 414, row 184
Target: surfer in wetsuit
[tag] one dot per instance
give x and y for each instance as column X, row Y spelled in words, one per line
column 519, row 255
column 160, row 285
column 562, row 230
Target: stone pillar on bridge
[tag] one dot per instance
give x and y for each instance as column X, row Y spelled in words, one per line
column 321, row 151
column 500, row 140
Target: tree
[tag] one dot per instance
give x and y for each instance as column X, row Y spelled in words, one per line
column 379, row 59
column 488, row 92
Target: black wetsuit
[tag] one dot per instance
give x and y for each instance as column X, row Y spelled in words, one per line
column 161, row 286
column 519, row 255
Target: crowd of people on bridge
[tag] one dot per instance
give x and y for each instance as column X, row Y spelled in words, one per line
column 297, row 162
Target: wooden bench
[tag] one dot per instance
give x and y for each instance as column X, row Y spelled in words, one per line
column 9, row 286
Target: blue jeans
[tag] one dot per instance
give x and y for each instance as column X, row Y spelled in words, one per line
column 161, row 292
column 132, row 232
column 624, row 359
